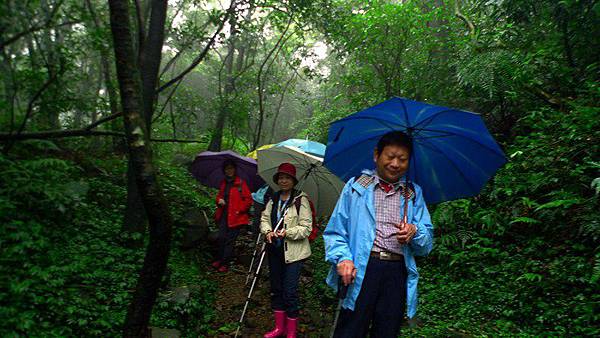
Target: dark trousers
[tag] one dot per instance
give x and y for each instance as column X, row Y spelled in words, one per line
column 284, row 282
column 380, row 304
column 227, row 238
column 258, row 209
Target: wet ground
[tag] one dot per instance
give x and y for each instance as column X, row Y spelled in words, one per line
column 233, row 292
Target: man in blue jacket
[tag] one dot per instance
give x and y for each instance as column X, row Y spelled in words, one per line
column 371, row 245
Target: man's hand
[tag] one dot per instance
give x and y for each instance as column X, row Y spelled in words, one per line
column 347, row 271
column 406, row 233
column 281, row 233
column 221, row 202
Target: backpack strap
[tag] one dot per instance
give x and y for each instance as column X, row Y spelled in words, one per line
column 274, row 201
column 298, row 203
column 239, row 186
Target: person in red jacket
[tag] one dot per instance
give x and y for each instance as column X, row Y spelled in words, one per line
column 233, row 203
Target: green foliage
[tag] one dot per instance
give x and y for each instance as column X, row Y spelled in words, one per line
column 190, row 315
column 534, row 253
column 319, row 269
column 65, row 270
column 522, row 257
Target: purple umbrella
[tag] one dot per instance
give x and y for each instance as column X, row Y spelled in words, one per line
column 208, row 169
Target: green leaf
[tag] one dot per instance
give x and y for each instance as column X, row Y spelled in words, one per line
column 558, row 203
column 596, row 185
column 523, row 219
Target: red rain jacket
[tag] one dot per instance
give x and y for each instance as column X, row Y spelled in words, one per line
column 240, row 201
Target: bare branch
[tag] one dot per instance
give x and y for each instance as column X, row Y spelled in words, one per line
column 187, row 45
column 162, row 110
column 172, row 140
column 103, row 120
column 35, row 97
column 171, row 62
column 53, row 134
column 44, row 135
column 35, row 29
column 466, row 20
column 259, row 77
column 202, row 54
column 87, row 131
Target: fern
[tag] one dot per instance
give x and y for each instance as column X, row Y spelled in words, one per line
column 464, row 235
column 596, row 185
column 558, row 203
column 523, row 219
column 596, row 271
column 493, row 73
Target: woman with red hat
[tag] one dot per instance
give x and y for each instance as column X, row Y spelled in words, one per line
column 288, row 248
column 233, row 202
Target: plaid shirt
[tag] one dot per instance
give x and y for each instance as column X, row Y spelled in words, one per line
column 387, row 216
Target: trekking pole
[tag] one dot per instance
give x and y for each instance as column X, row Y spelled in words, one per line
column 253, row 258
column 341, row 295
column 263, row 249
column 262, row 257
column 259, row 233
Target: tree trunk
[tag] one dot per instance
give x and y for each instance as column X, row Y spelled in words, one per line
column 134, row 220
column 150, row 56
column 279, row 105
column 50, row 45
column 140, row 154
column 217, row 137
column 261, row 83
column 117, row 142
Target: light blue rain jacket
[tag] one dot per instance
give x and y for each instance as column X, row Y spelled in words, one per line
column 351, row 232
column 259, row 195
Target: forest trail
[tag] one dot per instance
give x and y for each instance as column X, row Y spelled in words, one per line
column 232, row 294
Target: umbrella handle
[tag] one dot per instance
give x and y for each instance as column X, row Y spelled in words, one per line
column 406, row 194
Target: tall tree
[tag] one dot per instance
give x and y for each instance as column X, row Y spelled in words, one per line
column 140, row 154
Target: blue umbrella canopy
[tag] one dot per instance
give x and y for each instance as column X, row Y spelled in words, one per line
column 453, row 155
column 311, row 147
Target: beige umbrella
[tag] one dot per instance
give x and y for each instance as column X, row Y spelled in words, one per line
column 321, row 186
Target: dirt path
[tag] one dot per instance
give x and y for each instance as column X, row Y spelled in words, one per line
column 232, row 293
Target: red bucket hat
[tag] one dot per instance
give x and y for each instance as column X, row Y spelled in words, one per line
column 286, row 168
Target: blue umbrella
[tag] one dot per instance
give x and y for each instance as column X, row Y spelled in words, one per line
column 453, row 155
column 311, row 147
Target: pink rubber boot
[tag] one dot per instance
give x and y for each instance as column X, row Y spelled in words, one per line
column 292, row 327
column 279, row 325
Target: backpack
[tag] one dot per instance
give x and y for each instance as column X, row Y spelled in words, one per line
column 315, row 224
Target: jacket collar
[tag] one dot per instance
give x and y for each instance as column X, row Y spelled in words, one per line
column 364, row 181
column 363, row 185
